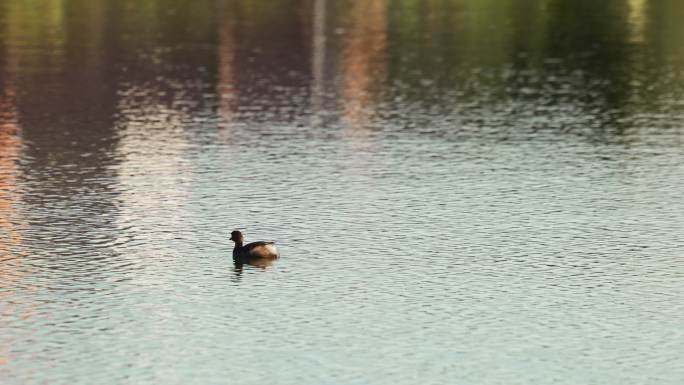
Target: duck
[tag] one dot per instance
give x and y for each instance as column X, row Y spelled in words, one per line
column 252, row 251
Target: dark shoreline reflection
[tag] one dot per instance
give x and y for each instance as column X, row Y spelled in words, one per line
column 448, row 64
column 369, row 64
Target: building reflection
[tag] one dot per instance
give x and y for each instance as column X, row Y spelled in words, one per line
column 11, row 244
column 64, row 104
column 637, row 20
column 12, row 248
column 318, row 59
column 178, row 75
column 151, row 173
column 264, row 59
column 226, row 65
column 363, row 59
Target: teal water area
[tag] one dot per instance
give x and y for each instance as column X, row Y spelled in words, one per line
column 462, row 192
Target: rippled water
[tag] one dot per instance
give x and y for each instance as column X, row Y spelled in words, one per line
column 470, row 192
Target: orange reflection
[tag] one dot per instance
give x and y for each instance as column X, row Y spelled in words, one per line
column 11, row 245
column 10, row 145
column 364, row 58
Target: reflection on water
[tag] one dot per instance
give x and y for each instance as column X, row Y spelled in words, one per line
column 473, row 191
column 363, row 58
column 10, row 145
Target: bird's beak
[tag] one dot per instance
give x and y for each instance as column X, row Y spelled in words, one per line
column 231, row 237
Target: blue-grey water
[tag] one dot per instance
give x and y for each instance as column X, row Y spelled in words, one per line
column 462, row 191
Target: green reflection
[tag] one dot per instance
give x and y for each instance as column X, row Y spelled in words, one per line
column 612, row 57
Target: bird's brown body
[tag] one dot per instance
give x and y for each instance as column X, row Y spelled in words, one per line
column 255, row 250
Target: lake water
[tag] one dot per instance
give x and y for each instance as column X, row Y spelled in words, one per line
column 463, row 192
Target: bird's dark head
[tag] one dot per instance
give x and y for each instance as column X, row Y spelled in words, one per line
column 236, row 237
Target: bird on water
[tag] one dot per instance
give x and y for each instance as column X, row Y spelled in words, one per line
column 254, row 250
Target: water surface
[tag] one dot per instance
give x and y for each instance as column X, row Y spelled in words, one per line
column 472, row 192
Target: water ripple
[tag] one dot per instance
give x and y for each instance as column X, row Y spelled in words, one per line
column 459, row 194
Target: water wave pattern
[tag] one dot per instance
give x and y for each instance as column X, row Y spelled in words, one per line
column 486, row 225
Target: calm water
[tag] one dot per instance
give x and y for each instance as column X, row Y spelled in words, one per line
column 463, row 192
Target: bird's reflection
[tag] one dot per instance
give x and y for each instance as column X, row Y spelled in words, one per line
column 261, row 263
